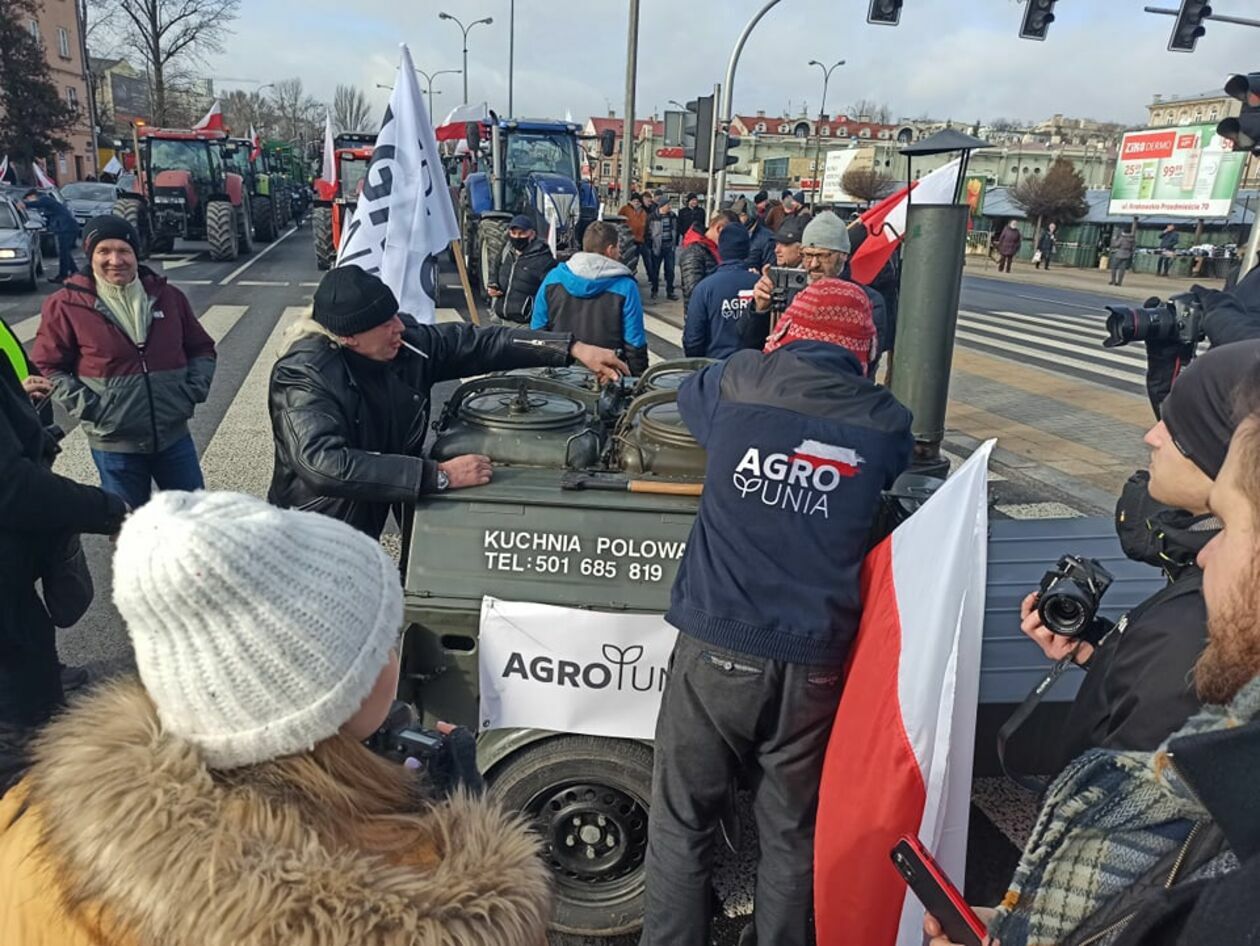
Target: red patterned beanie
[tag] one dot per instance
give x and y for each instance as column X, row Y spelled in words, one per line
column 831, row 310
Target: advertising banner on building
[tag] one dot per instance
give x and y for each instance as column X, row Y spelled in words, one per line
column 1189, row 171
column 571, row 669
column 833, row 173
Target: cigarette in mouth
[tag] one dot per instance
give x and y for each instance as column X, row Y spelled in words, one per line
column 413, row 348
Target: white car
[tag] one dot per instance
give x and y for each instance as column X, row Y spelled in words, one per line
column 21, row 261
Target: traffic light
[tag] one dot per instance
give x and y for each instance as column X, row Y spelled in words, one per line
column 1189, row 26
column 884, row 12
column 1243, row 131
column 698, row 131
column 722, row 156
column 1038, row 15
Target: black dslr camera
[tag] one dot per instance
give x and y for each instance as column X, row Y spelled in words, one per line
column 788, row 281
column 1177, row 320
column 1069, row 596
column 447, row 761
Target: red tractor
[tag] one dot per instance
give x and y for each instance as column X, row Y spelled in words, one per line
column 187, row 190
column 335, row 201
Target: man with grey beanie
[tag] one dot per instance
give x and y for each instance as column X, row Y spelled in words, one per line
column 350, row 399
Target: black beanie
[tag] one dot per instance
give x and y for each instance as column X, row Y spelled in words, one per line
column 109, row 227
column 1199, row 411
column 349, row 301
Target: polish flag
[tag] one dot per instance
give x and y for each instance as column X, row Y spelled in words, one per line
column 41, row 177
column 329, row 172
column 213, row 120
column 4, row 168
column 452, row 127
column 843, row 460
column 900, row 756
column 256, row 144
column 886, row 222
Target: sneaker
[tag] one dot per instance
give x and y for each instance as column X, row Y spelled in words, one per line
column 653, row 294
column 57, row 279
column 72, row 678
column 671, row 296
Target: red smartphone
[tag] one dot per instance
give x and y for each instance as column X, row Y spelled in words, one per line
column 935, row 891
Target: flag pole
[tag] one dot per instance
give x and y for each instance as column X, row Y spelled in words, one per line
column 457, row 247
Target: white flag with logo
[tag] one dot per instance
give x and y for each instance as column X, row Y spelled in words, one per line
column 404, row 217
column 571, row 669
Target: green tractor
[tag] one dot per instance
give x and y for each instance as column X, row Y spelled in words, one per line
column 268, row 196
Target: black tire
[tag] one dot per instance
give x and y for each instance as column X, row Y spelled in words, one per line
column 31, row 282
column 162, row 244
column 491, row 240
column 607, row 784
column 245, row 225
column 627, row 247
column 222, row 231
column 132, row 210
column 264, row 219
column 322, row 227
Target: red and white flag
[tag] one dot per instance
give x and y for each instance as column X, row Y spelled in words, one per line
column 255, row 144
column 886, row 222
column 213, row 120
column 41, row 177
column 899, row 760
column 329, row 172
column 452, row 127
column 4, row 168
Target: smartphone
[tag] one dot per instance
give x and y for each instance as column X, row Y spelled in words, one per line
column 941, row 898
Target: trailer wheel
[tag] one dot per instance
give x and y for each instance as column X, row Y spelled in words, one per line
column 321, row 226
column 221, row 230
column 588, row 798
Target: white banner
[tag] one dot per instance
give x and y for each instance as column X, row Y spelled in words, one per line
column 404, row 217
column 571, row 669
column 837, row 163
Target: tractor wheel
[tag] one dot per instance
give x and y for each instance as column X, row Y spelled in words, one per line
column 245, row 225
column 322, row 227
column 588, row 799
column 222, row 231
column 264, row 220
column 279, row 217
column 132, row 210
column 491, row 240
column 162, row 244
column 627, row 247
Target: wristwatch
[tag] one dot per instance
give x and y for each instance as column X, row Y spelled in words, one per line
column 443, row 481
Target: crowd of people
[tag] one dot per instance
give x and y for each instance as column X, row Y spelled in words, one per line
column 226, row 796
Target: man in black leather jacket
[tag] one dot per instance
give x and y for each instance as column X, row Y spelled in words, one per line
column 350, row 399
column 1139, row 688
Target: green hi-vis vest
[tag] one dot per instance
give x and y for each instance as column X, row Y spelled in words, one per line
column 11, row 348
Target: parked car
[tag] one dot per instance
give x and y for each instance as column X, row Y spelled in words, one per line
column 88, row 199
column 15, row 192
column 21, row 260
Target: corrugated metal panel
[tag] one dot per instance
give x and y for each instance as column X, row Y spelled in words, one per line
column 1020, row 552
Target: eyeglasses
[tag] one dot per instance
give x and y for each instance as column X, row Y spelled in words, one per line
column 819, row 256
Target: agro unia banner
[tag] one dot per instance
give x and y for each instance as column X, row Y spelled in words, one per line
column 404, row 217
column 571, row 669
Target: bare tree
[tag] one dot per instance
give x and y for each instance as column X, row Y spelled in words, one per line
column 1058, row 195
column 169, row 36
column 298, row 114
column 243, row 110
column 871, row 110
column 866, row 184
column 351, row 111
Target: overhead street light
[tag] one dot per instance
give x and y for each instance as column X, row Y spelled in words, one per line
column 465, row 30
column 428, row 78
column 822, row 112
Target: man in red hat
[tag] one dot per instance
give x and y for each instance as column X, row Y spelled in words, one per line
column 800, row 445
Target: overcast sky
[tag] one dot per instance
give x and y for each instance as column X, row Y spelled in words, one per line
column 1104, row 58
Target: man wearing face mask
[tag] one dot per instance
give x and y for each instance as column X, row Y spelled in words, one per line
column 1139, row 686
column 525, row 264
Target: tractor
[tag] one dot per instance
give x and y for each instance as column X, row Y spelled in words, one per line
column 265, row 188
column 335, row 201
column 534, row 169
column 187, row 190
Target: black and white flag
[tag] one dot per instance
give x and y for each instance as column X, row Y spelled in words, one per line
column 404, row 217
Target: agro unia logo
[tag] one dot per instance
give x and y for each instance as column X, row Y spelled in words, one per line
column 799, row 481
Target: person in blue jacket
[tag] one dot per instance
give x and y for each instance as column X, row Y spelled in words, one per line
column 800, row 444
column 61, row 223
column 712, row 326
column 595, row 298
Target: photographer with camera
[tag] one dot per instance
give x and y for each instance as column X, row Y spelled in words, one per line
column 1138, row 687
column 225, row 798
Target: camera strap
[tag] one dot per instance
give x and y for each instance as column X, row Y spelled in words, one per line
column 1020, row 716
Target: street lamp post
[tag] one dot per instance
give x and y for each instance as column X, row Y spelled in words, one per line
column 465, row 29
column 728, row 91
column 822, row 111
column 429, row 82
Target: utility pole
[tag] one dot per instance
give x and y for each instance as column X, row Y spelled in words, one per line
column 80, row 9
column 728, row 88
column 511, row 52
column 627, row 133
column 822, row 112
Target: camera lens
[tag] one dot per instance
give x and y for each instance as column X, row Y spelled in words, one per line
column 1064, row 615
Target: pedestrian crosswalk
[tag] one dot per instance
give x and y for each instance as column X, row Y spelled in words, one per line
column 1069, row 344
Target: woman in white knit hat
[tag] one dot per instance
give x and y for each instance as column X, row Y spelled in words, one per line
column 225, row 798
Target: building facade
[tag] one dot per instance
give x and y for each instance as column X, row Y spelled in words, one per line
column 57, row 27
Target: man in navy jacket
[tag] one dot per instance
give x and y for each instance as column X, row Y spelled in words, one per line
column 767, row 602
column 712, row 327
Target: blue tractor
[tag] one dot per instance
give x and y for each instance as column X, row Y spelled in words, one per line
column 530, row 167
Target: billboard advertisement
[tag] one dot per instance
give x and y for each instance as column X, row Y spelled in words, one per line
column 1189, row 171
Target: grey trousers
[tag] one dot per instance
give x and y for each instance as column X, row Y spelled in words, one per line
column 724, row 713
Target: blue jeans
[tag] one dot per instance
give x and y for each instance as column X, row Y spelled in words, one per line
column 66, row 265
column 666, row 256
column 132, row 475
